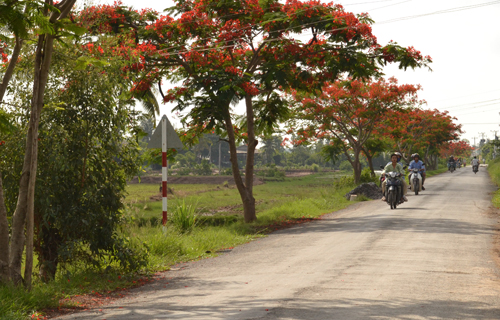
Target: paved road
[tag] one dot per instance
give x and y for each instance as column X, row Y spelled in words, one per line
column 432, row 258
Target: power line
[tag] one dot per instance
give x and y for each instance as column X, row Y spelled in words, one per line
column 479, row 111
column 456, row 9
column 389, row 5
column 473, row 94
column 467, row 105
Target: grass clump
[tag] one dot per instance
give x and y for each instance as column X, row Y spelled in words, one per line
column 184, row 216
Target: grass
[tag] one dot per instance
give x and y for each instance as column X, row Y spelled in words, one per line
column 494, row 171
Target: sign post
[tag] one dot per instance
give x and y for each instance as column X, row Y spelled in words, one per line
column 164, row 137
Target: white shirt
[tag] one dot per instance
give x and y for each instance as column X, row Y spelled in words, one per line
column 475, row 162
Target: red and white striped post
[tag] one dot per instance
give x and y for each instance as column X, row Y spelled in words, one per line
column 164, row 175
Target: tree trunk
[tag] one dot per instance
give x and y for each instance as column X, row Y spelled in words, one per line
column 10, row 68
column 4, row 239
column 48, row 252
column 356, row 165
column 249, row 206
column 248, row 201
column 24, row 212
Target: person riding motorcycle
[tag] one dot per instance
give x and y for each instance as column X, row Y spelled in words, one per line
column 475, row 162
column 451, row 162
column 394, row 166
column 416, row 163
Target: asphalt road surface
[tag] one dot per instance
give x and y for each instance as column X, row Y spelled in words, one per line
column 432, row 258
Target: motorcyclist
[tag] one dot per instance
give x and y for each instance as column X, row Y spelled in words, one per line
column 416, row 163
column 394, row 166
column 475, row 162
column 451, row 162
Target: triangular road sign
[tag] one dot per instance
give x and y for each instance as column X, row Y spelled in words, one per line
column 173, row 141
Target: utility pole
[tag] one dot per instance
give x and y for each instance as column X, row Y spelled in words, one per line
column 220, row 142
column 474, row 145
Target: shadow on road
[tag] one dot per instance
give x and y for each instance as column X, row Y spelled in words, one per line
column 310, row 309
column 375, row 223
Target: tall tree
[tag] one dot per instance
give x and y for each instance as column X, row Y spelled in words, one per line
column 53, row 17
column 418, row 130
column 350, row 111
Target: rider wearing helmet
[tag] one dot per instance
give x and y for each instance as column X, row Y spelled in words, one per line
column 416, row 163
column 394, row 166
column 451, row 162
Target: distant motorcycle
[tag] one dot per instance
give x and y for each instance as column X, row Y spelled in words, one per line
column 394, row 189
column 452, row 167
column 459, row 165
column 475, row 169
column 415, row 181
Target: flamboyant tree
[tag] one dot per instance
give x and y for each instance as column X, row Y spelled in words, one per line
column 418, row 130
column 350, row 111
column 223, row 52
column 458, row 149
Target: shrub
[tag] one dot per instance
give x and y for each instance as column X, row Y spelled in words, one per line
column 315, row 167
column 345, row 166
column 184, row 216
column 366, row 176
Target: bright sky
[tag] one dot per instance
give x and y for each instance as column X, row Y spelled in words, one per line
column 462, row 37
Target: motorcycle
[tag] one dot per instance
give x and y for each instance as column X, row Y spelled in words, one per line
column 394, row 189
column 415, row 181
column 475, row 168
column 459, row 165
column 452, row 167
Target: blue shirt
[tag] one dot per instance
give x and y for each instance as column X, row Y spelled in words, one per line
column 416, row 165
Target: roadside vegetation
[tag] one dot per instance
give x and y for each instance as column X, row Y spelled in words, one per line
column 494, row 171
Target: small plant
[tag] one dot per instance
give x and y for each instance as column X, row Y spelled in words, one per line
column 225, row 184
column 315, row 167
column 184, row 216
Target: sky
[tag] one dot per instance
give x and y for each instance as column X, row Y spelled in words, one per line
column 461, row 36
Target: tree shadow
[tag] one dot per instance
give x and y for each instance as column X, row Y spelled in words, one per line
column 243, row 307
column 379, row 222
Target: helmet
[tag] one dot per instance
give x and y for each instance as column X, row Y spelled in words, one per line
column 415, row 155
column 398, row 154
column 474, row 157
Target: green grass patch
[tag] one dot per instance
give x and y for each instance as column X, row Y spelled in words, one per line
column 494, row 171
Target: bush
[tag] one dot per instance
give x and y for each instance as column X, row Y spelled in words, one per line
column 345, row 166
column 203, row 169
column 366, row 176
column 184, row 171
column 315, row 167
column 184, row 217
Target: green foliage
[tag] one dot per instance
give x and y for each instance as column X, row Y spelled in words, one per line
column 86, row 155
column 346, row 166
column 184, row 216
column 203, row 169
column 315, row 167
column 494, row 171
column 271, row 172
column 366, row 176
